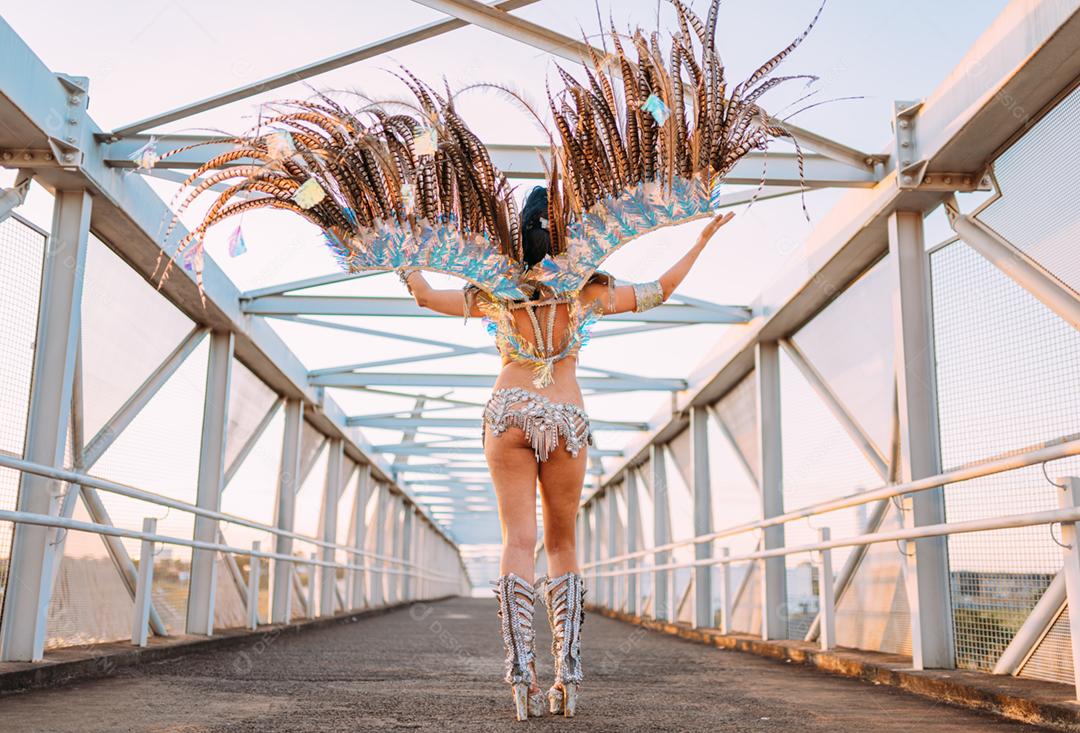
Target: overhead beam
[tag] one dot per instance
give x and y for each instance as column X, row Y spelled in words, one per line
column 341, row 305
column 407, row 379
column 526, row 162
column 439, row 450
column 472, row 423
column 545, row 39
column 307, row 71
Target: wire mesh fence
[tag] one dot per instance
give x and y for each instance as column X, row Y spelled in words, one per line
column 20, row 282
column 1006, row 381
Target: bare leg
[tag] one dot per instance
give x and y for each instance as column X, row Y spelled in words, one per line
column 512, row 464
column 562, row 477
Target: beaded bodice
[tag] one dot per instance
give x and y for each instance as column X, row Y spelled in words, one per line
column 546, row 348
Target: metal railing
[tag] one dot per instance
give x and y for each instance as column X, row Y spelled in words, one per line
column 1068, row 514
column 373, row 565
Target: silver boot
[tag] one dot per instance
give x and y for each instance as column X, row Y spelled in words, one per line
column 564, row 597
column 517, row 598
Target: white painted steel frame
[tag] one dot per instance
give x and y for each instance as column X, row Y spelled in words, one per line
column 1022, row 62
column 26, row 599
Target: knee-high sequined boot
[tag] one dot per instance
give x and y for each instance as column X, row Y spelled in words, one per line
column 517, row 599
column 564, row 597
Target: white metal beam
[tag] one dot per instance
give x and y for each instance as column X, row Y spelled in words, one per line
column 701, row 490
column 871, row 452
column 663, row 602
column 916, row 375
column 285, row 511
column 307, row 71
column 1016, row 264
column 123, row 417
column 354, row 380
column 211, row 479
column 771, row 470
column 26, row 599
column 472, row 423
column 342, row 305
column 332, row 489
column 545, row 39
column 359, row 537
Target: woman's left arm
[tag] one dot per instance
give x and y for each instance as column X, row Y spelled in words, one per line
column 447, row 302
column 626, row 296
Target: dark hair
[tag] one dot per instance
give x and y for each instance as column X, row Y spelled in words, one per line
column 535, row 238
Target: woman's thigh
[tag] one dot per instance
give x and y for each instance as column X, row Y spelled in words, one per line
column 562, row 477
column 512, row 463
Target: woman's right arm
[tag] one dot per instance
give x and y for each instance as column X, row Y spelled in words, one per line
column 625, row 297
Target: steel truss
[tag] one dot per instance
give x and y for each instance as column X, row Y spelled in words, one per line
column 945, row 144
column 942, row 145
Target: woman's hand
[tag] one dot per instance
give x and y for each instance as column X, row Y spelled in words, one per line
column 713, row 227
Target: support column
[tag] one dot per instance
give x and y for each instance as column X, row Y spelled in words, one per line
column 920, row 456
column 702, row 492
column 328, row 531
column 422, row 537
column 598, row 517
column 288, row 482
column 407, row 546
column 26, row 601
column 663, row 604
column 586, row 544
column 771, row 470
column 377, row 588
column 200, row 609
column 633, row 510
column 359, row 538
column 611, row 509
column 393, row 579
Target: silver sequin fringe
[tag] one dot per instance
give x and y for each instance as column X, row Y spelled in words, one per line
column 542, row 420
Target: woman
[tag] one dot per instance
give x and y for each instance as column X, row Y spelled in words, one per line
column 522, row 426
column 641, row 144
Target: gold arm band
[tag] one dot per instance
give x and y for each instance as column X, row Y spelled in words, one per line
column 647, row 295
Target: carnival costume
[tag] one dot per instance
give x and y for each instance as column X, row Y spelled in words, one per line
column 641, row 144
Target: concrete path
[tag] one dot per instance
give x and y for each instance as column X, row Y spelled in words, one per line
column 439, row 667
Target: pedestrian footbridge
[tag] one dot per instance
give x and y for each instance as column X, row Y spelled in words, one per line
column 844, row 498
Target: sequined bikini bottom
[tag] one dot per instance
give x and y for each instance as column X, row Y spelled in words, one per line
column 543, row 420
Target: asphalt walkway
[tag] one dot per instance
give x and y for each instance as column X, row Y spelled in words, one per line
column 439, row 667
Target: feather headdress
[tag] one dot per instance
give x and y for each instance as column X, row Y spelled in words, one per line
column 637, row 146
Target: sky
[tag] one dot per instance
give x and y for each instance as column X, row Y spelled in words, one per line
column 146, row 57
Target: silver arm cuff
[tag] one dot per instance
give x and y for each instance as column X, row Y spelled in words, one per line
column 647, row 295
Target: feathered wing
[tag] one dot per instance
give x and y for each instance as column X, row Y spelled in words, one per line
column 415, row 189
column 644, row 140
column 640, row 145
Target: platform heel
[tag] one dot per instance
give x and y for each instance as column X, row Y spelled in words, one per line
column 517, row 600
column 564, row 597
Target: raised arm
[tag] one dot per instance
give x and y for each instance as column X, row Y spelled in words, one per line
column 626, row 296
column 447, row 302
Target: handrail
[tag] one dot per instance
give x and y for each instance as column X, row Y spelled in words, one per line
column 45, row 520
column 82, row 479
column 956, row 475
column 930, row 530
